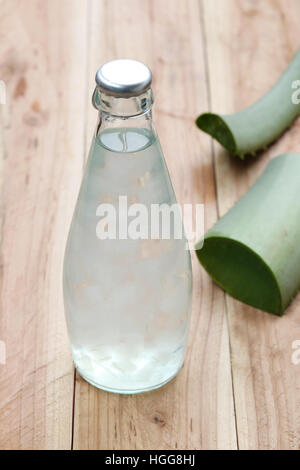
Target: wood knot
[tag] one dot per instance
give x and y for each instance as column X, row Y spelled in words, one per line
column 158, row 419
column 21, row 88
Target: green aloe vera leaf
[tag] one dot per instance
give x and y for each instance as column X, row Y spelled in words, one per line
column 253, row 251
column 256, row 127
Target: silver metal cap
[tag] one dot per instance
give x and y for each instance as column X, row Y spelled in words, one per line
column 124, row 78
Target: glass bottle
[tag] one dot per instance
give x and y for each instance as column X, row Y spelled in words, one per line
column 127, row 283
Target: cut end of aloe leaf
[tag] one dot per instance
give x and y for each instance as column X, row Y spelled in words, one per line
column 216, row 127
column 241, row 272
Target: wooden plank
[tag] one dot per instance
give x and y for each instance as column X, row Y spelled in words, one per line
column 42, row 61
column 196, row 409
column 249, row 44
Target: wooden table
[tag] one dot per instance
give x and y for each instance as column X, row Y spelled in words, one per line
column 239, row 387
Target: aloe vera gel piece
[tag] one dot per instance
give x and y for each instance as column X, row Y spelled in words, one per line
column 253, row 252
column 257, row 126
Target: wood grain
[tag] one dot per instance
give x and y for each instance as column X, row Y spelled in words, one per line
column 249, row 43
column 205, row 54
column 41, row 46
column 196, row 409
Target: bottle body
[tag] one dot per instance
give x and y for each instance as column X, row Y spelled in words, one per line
column 127, row 295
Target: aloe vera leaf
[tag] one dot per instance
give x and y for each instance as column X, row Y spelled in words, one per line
column 253, row 252
column 256, row 127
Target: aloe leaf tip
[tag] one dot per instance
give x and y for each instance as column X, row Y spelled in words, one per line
column 216, row 127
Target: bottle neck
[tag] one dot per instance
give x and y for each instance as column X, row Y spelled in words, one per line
column 128, row 120
column 123, row 108
column 118, row 112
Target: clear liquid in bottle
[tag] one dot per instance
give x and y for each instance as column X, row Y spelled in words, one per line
column 127, row 300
